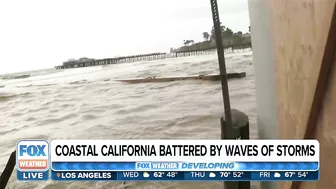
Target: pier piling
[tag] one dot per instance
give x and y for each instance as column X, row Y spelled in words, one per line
column 239, row 129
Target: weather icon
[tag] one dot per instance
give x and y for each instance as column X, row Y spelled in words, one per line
column 277, row 175
column 212, row 175
column 145, row 174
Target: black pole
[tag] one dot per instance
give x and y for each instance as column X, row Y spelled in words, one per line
column 240, row 128
column 221, row 62
column 8, row 170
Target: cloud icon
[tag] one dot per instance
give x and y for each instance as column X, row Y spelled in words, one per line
column 145, row 174
column 277, row 175
column 211, row 175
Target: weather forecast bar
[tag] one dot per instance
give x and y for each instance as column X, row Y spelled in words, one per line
column 185, row 176
column 185, row 166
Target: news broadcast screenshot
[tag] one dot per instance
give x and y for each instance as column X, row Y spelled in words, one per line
column 167, row 94
column 168, row 160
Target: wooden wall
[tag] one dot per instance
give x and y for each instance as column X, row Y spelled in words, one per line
column 300, row 29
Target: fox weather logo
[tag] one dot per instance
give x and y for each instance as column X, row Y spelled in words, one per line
column 32, row 155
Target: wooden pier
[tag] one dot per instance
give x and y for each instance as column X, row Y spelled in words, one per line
column 144, row 57
column 117, row 60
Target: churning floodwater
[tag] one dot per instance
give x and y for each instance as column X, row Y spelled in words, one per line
column 87, row 103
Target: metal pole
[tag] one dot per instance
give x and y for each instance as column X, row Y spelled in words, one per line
column 6, row 174
column 221, row 62
column 228, row 130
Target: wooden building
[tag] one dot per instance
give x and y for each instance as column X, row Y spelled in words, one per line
column 294, row 45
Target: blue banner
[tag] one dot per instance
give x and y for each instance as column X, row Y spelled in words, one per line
column 184, row 166
column 184, row 176
column 32, row 175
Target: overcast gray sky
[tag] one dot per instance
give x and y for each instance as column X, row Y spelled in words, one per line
column 38, row 34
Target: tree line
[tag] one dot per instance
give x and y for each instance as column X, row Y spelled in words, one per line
column 229, row 38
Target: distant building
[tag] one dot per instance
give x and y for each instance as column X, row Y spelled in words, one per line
column 72, row 62
column 84, row 59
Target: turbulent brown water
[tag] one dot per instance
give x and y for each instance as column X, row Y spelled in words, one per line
column 87, row 103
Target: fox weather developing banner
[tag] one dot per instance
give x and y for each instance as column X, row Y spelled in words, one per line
column 162, row 160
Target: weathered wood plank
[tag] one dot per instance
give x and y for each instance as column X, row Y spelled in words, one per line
column 169, row 79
